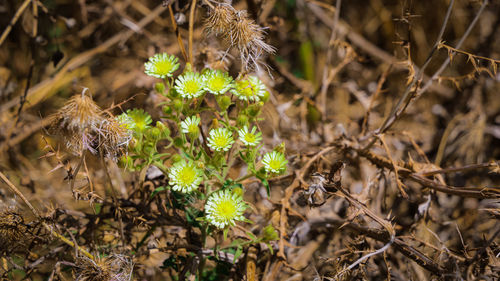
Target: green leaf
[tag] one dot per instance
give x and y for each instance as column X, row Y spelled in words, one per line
column 158, row 190
column 238, row 253
column 97, row 208
column 265, row 183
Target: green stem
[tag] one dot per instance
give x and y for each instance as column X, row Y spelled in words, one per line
column 244, row 178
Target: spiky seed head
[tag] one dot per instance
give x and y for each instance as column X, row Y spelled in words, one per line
column 77, row 123
column 79, row 113
column 110, row 268
column 220, row 19
column 114, row 138
column 248, row 37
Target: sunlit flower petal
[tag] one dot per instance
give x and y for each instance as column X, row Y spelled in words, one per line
column 185, row 176
column 161, row 65
column 220, row 139
column 224, row 208
column 217, row 82
column 190, row 85
column 274, row 162
column 249, row 138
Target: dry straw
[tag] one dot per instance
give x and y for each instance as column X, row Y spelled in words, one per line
column 13, row 231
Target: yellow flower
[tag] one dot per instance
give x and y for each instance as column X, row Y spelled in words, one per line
column 185, row 177
column 274, row 162
column 161, row 65
column 223, row 208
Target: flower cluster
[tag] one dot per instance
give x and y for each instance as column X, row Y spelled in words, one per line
column 214, row 121
column 191, row 84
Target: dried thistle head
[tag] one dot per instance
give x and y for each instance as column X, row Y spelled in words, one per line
column 220, row 20
column 78, row 114
column 77, row 123
column 114, row 138
column 239, row 31
column 78, row 141
column 248, row 37
column 110, row 268
column 82, row 125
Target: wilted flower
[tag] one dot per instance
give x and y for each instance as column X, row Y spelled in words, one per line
column 224, row 208
column 185, row 176
column 114, row 138
column 114, row 267
column 274, row 162
column 161, row 65
column 220, row 139
column 249, row 138
column 190, row 85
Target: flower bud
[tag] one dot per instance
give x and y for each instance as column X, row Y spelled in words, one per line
column 200, row 164
column 172, row 93
column 238, row 191
column 242, row 120
column 165, row 132
column 167, row 110
column 155, row 133
column 127, row 161
column 224, row 102
column 178, row 105
column 176, row 158
column 160, row 88
column 254, row 109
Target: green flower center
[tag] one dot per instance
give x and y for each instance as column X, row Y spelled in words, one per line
column 193, row 129
column 245, row 88
column 221, row 141
column 164, row 67
column 275, row 164
column 226, row 209
column 250, row 138
column 187, row 175
column 191, row 87
column 216, row 83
